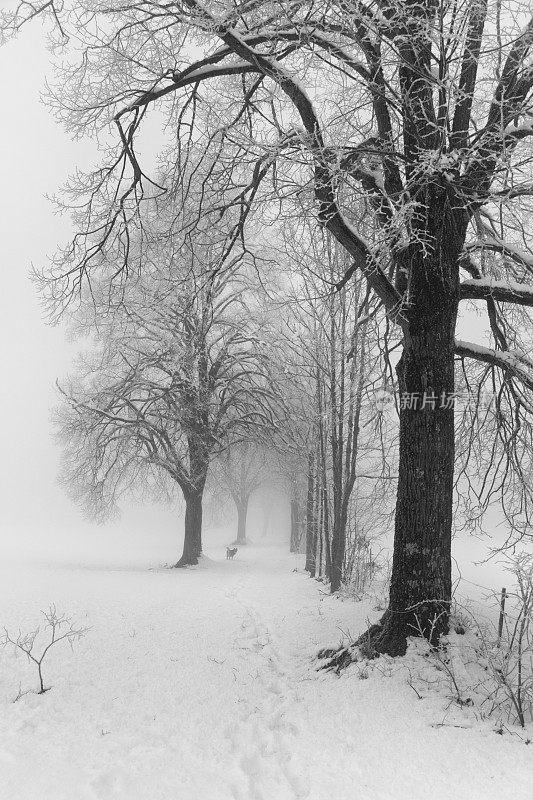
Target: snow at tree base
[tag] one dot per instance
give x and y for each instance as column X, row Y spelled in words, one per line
column 202, row 685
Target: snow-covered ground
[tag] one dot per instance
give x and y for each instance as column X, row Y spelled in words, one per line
column 201, row 685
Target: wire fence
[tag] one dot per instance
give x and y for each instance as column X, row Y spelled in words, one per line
column 493, row 594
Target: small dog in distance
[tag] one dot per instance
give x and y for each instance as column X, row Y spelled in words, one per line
column 230, row 552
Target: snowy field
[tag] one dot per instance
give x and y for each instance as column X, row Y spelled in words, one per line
column 202, row 685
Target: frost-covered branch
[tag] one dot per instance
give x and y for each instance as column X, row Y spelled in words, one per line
column 513, row 362
column 501, row 291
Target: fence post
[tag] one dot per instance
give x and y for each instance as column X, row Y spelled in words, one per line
column 502, row 614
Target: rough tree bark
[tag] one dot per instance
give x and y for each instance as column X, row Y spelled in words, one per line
column 420, row 592
column 192, row 543
column 193, row 492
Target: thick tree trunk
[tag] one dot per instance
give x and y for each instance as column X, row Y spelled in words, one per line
column 420, row 592
column 192, row 543
column 242, row 514
column 193, row 494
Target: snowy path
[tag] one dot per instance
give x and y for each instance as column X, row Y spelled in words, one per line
column 199, row 685
column 263, row 740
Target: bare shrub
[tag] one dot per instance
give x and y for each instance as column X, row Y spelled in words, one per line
column 57, row 628
column 362, row 566
column 511, row 659
column 493, row 673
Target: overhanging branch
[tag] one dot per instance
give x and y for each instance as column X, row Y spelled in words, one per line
column 329, row 212
column 514, row 363
column 499, row 291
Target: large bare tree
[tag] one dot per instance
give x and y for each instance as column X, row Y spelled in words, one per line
column 419, row 108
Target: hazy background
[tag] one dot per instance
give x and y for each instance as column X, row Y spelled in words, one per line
column 36, row 157
column 36, row 519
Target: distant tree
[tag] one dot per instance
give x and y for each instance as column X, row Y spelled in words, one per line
column 238, row 472
column 332, row 368
column 176, row 376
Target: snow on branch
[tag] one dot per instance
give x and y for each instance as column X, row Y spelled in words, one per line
column 506, row 249
column 502, row 291
column 520, row 129
column 512, row 361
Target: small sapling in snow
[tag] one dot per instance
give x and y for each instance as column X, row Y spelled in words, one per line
column 57, row 628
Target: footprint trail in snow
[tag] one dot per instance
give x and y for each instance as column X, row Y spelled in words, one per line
column 263, row 741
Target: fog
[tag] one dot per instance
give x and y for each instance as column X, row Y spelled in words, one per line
column 37, row 519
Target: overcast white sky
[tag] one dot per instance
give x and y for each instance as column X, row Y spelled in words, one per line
column 36, row 157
